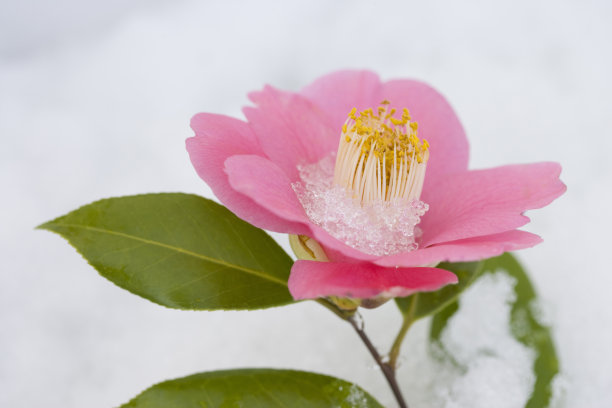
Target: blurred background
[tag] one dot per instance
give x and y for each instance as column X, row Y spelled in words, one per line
column 95, row 101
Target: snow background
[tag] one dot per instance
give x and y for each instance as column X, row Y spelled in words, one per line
column 95, row 101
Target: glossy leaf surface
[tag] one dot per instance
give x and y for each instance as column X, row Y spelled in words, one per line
column 179, row 250
column 254, row 388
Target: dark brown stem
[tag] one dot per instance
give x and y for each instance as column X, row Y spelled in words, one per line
column 387, row 369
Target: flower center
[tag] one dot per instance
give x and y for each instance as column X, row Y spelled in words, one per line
column 370, row 198
column 380, row 157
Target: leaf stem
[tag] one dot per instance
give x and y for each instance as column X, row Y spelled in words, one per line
column 387, row 369
column 399, row 339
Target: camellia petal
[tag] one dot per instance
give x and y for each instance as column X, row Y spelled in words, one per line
column 470, row 249
column 217, row 138
column 266, row 184
column 339, row 92
column 336, row 249
column 312, row 279
column 438, row 124
column 484, row 202
column 291, row 130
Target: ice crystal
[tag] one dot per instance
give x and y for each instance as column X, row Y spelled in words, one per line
column 379, row 228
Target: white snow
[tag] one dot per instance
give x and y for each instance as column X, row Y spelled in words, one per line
column 480, row 341
column 97, row 104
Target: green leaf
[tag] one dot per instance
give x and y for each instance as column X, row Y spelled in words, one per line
column 254, row 388
column 179, row 250
column 440, row 319
column 524, row 324
column 424, row 304
column 527, row 329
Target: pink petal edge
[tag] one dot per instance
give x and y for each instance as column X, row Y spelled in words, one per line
column 438, row 124
column 266, row 184
column 484, row 202
column 339, row 92
column 218, row 137
column 470, row 249
column 311, row 279
column 291, row 130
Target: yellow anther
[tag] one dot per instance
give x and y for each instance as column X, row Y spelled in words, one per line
column 391, row 142
column 366, row 112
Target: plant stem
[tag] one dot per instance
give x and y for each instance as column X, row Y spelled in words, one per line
column 387, row 369
column 408, row 319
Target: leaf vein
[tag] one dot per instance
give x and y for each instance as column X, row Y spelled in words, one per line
column 178, row 249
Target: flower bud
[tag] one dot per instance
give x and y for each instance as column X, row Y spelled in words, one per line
column 307, row 248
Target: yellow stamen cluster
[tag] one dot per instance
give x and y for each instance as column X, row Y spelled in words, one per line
column 380, row 156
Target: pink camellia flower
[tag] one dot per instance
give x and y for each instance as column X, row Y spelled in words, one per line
column 372, row 179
